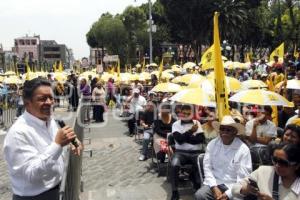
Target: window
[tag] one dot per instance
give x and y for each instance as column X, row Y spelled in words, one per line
column 51, row 49
column 27, row 42
column 52, row 56
column 33, row 42
column 21, row 42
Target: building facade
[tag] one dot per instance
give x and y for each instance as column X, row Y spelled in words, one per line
column 27, row 48
column 51, row 52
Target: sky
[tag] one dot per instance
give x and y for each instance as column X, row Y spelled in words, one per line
column 66, row 21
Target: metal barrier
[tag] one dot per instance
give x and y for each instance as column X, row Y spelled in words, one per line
column 8, row 106
column 71, row 180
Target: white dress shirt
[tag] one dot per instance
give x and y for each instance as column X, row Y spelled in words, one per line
column 137, row 104
column 35, row 161
column 267, row 129
column 226, row 164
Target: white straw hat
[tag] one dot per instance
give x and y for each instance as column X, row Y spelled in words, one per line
column 229, row 121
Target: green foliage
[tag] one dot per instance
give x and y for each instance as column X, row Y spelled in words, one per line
column 255, row 23
column 109, row 32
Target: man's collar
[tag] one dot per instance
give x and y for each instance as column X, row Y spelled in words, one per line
column 186, row 122
column 33, row 118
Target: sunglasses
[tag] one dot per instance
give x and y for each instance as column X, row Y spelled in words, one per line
column 226, row 129
column 282, row 162
column 186, row 113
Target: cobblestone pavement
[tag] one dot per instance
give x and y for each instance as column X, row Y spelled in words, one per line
column 5, row 189
column 114, row 172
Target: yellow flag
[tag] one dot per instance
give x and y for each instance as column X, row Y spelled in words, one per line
column 220, row 81
column 144, row 64
column 161, row 66
column 279, row 51
column 60, row 67
column 118, row 69
column 54, row 66
column 296, row 53
column 247, row 59
column 28, row 71
column 207, row 60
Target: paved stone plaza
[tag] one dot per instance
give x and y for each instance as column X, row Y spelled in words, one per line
column 113, row 171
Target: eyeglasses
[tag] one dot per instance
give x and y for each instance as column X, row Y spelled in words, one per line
column 186, row 113
column 44, row 98
column 227, row 129
column 282, row 162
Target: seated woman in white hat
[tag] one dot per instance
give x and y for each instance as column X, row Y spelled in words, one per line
column 226, row 161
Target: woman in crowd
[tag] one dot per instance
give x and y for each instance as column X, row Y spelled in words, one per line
column 278, row 182
column 162, row 127
column 98, row 97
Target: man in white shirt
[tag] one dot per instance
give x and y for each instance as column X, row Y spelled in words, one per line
column 189, row 139
column 33, row 147
column 227, row 159
column 260, row 130
column 136, row 105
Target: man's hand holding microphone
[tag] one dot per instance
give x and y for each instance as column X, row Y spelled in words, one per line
column 66, row 136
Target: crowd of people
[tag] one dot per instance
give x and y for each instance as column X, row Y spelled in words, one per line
column 247, row 154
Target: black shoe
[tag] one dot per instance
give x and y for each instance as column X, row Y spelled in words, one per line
column 175, row 195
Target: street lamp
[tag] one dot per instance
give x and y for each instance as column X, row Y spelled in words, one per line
column 152, row 28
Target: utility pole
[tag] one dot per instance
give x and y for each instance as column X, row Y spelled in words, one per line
column 150, row 31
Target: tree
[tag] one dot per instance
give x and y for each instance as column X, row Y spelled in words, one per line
column 109, row 32
column 134, row 20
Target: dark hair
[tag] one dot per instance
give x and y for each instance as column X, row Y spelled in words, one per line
column 292, row 152
column 294, row 128
column 32, row 85
column 268, row 109
column 186, row 107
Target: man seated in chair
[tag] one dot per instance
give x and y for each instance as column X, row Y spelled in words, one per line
column 137, row 103
column 146, row 123
column 189, row 137
column 227, row 160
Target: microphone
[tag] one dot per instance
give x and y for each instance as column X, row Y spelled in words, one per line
column 62, row 124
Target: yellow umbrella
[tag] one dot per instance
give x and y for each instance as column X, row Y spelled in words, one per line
column 224, row 58
column 168, row 71
column 60, row 76
column 163, row 75
column 153, row 65
column 12, row 80
column 167, row 87
column 260, row 97
column 9, row 73
column 145, row 76
column 253, row 84
column 189, row 65
column 233, row 85
column 208, row 85
column 134, row 77
column 176, row 68
column 188, row 78
column 194, row 96
column 291, row 84
column 105, row 76
column 86, row 74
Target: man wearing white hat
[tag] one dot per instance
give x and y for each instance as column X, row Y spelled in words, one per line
column 226, row 161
